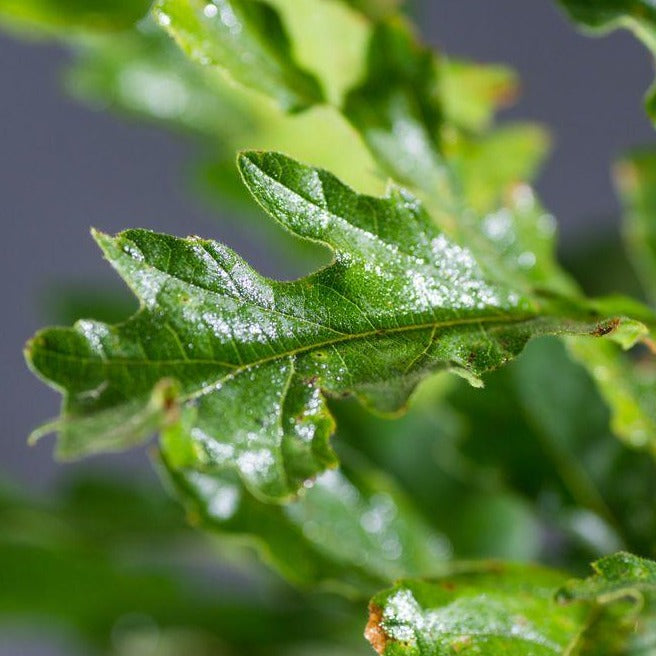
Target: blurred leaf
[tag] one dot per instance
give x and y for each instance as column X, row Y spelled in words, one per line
column 472, row 92
column 375, row 9
column 315, row 27
column 636, row 180
column 351, row 529
column 628, row 387
column 602, row 16
column 114, row 563
column 396, row 107
column 247, row 41
column 623, row 592
column 493, row 166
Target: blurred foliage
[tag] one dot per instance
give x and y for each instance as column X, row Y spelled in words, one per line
column 527, row 470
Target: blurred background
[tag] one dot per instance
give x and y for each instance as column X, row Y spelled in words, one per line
column 65, row 168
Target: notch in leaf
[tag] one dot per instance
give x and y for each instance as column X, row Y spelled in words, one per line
column 242, row 364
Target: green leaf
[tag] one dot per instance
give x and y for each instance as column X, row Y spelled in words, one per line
column 315, row 27
column 60, row 16
column 351, row 529
column 247, row 41
column 622, row 591
column 491, row 608
column 492, row 167
column 248, row 361
column 628, row 388
column 520, row 610
column 396, row 107
column 470, row 93
column 602, row 16
column 375, row 9
column 636, row 180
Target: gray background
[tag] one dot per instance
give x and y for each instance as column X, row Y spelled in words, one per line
column 65, row 168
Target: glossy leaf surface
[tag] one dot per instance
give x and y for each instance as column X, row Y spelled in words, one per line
column 622, row 591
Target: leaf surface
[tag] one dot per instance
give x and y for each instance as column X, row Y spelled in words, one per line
column 62, row 16
column 635, row 176
column 520, row 610
column 622, row 591
column 249, row 361
column 352, row 529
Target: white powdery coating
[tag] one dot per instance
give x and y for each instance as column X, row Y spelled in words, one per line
column 467, row 617
column 256, row 464
column 222, row 498
column 94, row 333
column 219, row 452
column 403, row 617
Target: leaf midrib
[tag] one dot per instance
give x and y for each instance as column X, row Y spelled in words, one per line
column 238, row 369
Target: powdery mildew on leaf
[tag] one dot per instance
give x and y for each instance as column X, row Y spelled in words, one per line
column 243, row 363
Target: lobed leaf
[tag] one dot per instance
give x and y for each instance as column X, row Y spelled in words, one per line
column 351, row 529
column 244, row 364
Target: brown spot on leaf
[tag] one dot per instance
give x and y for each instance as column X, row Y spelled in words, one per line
column 605, row 328
column 374, row 632
column 449, row 585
